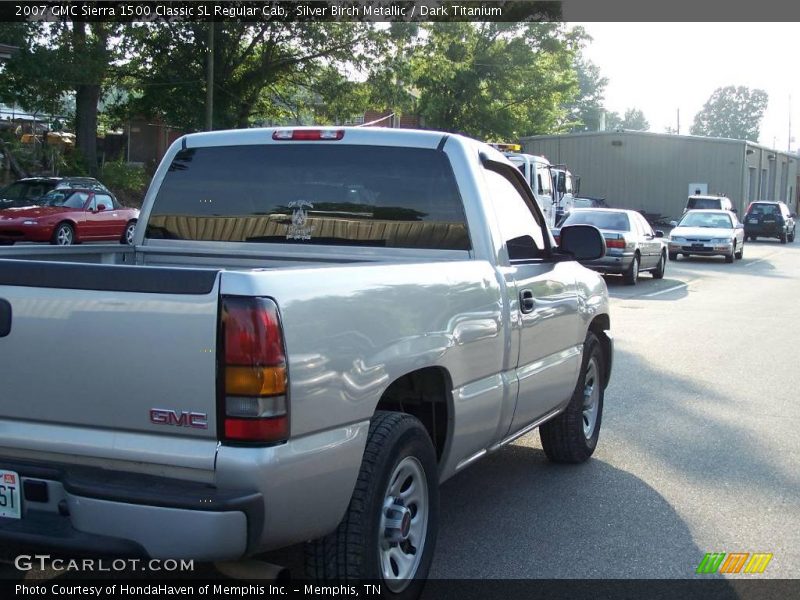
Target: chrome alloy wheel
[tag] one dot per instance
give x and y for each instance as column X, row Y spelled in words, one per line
column 403, row 524
column 64, row 236
column 591, row 398
column 129, row 231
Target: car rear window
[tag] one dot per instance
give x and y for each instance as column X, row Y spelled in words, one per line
column 764, row 209
column 609, row 220
column 311, row 194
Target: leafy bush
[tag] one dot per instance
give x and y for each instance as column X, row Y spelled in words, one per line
column 128, row 182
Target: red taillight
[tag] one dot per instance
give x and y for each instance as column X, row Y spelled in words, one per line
column 308, row 135
column 254, row 406
column 619, row 243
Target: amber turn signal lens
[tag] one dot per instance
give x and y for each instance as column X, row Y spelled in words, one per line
column 255, row 381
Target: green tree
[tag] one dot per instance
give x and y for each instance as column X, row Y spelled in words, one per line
column 585, row 110
column 63, row 58
column 495, row 81
column 634, row 120
column 732, row 112
column 262, row 71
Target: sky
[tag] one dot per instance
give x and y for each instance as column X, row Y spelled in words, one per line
column 661, row 68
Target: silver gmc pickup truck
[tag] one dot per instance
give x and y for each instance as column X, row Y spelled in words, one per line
column 313, row 329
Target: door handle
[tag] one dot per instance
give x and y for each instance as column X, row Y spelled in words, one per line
column 526, row 302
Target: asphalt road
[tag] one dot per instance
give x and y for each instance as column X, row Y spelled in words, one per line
column 699, row 448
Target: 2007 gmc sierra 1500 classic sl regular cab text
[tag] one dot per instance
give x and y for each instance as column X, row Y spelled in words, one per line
column 313, row 329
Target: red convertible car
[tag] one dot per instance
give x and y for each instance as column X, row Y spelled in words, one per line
column 69, row 216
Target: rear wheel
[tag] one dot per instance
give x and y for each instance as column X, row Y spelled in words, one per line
column 64, row 235
column 389, row 530
column 658, row 273
column 631, row 276
column 572, row 436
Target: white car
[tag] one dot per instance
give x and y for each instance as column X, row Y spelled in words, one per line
column 707, row 233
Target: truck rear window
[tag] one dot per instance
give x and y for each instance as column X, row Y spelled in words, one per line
column 311, row 194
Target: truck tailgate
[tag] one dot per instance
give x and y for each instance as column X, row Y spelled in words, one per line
column 113, row 350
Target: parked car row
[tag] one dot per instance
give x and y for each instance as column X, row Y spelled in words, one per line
column 63, row 211
column 708, row 227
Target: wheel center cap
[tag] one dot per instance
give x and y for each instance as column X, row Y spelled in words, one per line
column 405, row 526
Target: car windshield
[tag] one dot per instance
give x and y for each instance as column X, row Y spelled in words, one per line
column 609, row 220
column 695, row 203
column 65, row 199
column 704, row 219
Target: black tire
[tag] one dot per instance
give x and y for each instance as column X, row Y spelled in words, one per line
column 790, row 237
column 65, row 239
column 673, row 256
column 564, row 439
column 631, row 276
column 352, row 552
column 740, row 254
column 729, row 257
column 125, row 239
column 661, row 267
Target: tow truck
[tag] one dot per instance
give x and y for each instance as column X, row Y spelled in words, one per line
column 553, row 186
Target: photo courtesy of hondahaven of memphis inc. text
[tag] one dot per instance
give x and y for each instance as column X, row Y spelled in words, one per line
column 405, row 299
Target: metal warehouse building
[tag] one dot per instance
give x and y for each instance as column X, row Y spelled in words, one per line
column 656, row 172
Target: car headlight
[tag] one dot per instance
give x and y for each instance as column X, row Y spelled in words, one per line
column 721, row 241
column 30, row 222
column 677, row 239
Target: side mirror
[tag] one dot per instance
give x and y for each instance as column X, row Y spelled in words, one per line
column 659, row 233
column 101, row 207
column 577, row 186
column 583, row 242
column 673, row 223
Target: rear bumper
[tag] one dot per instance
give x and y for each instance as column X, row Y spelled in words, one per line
column 771, row 230
column 95, row 511
column 611, row 263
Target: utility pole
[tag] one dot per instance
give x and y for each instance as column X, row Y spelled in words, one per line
column 210, row 79
column 789, row 141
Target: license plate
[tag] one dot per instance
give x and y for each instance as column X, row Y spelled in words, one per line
column 10, row 505
column 699, row 246
column 752, row 220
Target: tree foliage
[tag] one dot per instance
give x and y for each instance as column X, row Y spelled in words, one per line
column 635, row 120
column 60, row 58
column 495, row 80
column 732, row 112
column 586, row 110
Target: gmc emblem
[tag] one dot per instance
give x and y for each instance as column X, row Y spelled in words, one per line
column 167, row 416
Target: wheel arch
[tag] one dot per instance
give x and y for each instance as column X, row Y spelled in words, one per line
column 601, row 327
column 426, row 394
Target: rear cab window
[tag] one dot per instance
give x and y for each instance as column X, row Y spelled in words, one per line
column 311, row 194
